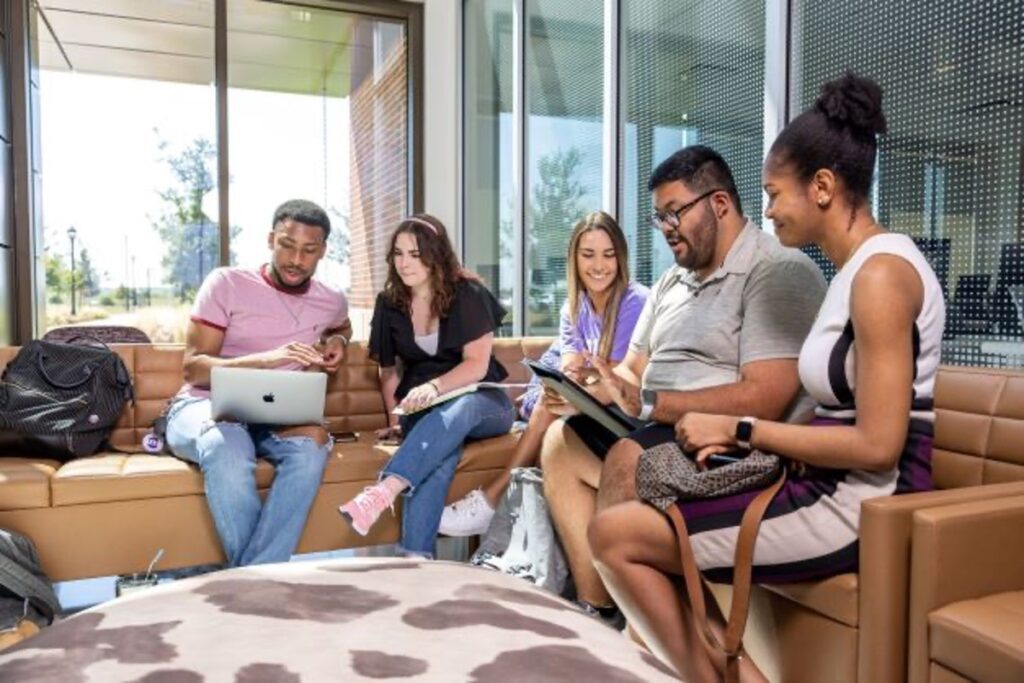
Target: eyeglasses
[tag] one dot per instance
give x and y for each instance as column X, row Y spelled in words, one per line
column 672, row 218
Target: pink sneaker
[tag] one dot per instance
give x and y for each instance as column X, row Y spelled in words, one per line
column 363, row 510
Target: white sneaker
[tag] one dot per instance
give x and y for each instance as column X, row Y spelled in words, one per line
column 469, row 516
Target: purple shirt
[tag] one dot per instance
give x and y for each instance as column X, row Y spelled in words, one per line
column 586, row 334
column 255, row 315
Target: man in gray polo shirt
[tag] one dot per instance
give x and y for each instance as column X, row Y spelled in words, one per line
column 720, row 333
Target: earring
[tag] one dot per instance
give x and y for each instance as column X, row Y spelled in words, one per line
column 822, row 201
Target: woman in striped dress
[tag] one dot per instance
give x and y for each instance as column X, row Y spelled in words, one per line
column 869, row 361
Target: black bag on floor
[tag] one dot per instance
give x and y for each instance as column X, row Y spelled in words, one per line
column 25, row 592
column 61, row 399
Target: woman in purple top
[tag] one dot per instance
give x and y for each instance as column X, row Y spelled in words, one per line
column 597, row 319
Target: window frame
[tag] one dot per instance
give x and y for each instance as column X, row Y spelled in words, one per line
column 27, row 247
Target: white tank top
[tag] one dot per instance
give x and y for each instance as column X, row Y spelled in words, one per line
column 828, row 359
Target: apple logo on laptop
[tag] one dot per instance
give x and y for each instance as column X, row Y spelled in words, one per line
column 268, row 398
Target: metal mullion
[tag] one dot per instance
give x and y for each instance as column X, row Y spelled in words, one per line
column 776, row 78
column 612, row 109
column 220, row 59
column 519, row 172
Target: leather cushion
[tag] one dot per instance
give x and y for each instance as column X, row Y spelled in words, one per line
column 117, row 476
column 25, row 482
column 835, row 597
column 982, row 639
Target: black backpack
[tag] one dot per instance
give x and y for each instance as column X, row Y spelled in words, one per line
column 25, row 592
column 61, row 399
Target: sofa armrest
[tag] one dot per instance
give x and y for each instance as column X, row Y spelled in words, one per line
column 960, row 552
column 883, row 601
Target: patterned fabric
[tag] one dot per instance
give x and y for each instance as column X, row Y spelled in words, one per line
column 341, row 620
column 665, row 474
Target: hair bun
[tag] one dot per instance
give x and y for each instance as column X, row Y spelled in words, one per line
column 854, row 102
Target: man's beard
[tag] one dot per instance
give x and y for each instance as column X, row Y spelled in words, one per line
column 701, row 250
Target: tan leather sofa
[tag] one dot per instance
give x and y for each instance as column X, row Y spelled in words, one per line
column 110, row 513
column 863, row 627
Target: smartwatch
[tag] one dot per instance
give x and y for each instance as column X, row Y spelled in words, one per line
column 745, row 432
column 647, row 400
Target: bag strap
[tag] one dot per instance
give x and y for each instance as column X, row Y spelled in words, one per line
column 93, row 341
column 41, row 367
column 725, row 655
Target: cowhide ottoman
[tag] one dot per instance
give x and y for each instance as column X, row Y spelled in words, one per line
column 339, row 620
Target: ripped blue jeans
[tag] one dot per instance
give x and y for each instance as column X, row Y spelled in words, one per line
column 430, row 454
column 251, row 531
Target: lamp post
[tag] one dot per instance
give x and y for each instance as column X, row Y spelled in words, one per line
column 72, row 233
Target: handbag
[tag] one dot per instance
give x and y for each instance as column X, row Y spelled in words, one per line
column 664, row 475
column 521, row 540
column 62, row 399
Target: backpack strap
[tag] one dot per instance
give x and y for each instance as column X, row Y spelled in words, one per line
column 725, row 655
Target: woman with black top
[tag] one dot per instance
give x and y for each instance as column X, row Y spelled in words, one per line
column 439, row 321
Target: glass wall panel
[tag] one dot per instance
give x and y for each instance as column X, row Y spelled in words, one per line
column 317, row 107
column 951, row 168
column 489, row 236
column 564, row 101
column 693, row 73
column 125, row 153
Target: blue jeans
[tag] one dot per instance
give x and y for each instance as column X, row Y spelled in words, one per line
column 430, row 452
column 251, row 532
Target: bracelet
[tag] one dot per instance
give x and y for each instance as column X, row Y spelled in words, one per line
column 437, row 387
column 344, row 340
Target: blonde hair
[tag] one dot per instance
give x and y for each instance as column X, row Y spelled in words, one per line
column 599, row 220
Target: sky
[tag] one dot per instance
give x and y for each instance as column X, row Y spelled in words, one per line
column 102, row 168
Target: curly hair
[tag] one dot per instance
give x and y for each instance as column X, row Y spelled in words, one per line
column 438, row 257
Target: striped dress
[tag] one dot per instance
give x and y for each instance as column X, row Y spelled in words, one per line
column 811, row 528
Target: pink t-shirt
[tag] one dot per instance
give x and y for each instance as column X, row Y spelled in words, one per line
column 255, row 315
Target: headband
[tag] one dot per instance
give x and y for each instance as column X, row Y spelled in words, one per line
column 420, row 221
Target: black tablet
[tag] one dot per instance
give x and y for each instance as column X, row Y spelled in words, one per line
column 609, row 417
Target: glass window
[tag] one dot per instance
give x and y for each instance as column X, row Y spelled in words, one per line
column 951, row 168
column 564, row 100
column 317, row 110
column 693, row 73
column 489, row 236
column 127, row 152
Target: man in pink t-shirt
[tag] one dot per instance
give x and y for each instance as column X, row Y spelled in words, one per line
column 278, row 317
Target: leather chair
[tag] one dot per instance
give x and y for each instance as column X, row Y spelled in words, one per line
column 967, row 593
column 857, row 627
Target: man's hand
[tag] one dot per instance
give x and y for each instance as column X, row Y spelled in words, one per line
column 610, row 388
column 333, row 350
column 706, row 434
column 293, row 352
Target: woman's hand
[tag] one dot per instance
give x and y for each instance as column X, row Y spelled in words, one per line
column 388, row 434
column 705, row 435
column 700, row 431
column 556, row 405
column 419, row 397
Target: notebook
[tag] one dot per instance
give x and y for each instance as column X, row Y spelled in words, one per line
column 275, row 397
column 455, row 393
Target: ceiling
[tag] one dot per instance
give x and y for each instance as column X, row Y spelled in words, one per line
column 271, row 46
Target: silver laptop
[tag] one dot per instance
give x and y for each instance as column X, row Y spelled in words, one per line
column 275, row 397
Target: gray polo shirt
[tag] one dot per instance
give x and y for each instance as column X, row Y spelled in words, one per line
column 758, row 305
